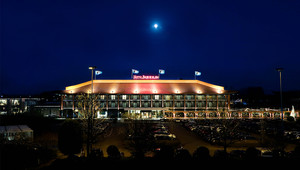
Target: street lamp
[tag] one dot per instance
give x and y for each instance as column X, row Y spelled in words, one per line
column 92, row 68
column 280, row 70
column 90, row 115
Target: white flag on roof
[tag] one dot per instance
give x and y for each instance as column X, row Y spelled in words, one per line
column 98, row 72
column 135, row 71
column 197, row 73
column 161, row 71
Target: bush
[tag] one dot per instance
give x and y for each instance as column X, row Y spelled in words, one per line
column 70, row 137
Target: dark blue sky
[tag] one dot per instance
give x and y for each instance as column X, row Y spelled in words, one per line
column 49, row 44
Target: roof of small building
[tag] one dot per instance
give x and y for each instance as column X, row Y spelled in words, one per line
column 15, row 128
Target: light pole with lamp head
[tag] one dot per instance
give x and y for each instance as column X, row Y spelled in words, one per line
column 90, row 115
column 92, row 68
column 281, row 107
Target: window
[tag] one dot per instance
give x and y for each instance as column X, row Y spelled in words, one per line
column 200, row 97
column 15, row 102
column 156, row 97
column 168, row 97
column 146, row 97
column 124, row 97
column 113, row 97
column 190, row 104
column 179, row 104
column 168, row 104
column 3, row 102
column 179, row 97
column 146, row 104
column 112, row 104
column 102, row 104
column 102, row 97
column 200, row 104
column 189, row 97
column 134, row 104
column 157, row 104
column 134, row 97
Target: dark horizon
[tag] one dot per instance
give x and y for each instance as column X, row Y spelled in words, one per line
column 48, row 45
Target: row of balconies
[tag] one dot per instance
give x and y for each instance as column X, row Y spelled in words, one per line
column 156, row 97
column 156, row 104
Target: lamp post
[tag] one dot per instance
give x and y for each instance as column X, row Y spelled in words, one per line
column 90, row 115
column 280, row 70
column 92, row 68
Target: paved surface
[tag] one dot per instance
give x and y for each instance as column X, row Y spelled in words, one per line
column 115, row 135
column 190, row 140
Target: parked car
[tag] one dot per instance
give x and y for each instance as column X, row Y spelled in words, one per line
column 164, row 136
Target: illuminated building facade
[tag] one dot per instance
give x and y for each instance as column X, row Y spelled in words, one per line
column 143, row 99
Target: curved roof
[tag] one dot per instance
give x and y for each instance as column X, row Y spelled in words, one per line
column 146, row 87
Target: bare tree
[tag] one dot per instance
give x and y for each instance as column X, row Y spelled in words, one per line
column 227, row 131
column 88, row 107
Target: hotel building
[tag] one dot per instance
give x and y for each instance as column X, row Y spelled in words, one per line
column 148, row 98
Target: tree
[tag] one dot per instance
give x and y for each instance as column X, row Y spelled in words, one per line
column 201, row 153
column 227, row 132
column 70, row 137
column 140, row 140
column 113, row 152
column 88, row 106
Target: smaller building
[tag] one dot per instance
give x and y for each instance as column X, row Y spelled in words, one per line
column 16, row 133
column 16, row 105
column 46, row 104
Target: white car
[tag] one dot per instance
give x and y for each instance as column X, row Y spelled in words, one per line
column 164, row 136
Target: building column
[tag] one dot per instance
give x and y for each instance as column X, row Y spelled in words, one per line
column 228, row 101
column 62, row 105
column 118, row 103
column 205, row 102
column 140, row 100
column 128, row 100
column 217, row 102
column 73, row 103
column 106, row 102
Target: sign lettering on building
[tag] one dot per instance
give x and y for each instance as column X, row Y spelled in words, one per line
column 145, row 77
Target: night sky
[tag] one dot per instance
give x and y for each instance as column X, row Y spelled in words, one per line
column 49, row 44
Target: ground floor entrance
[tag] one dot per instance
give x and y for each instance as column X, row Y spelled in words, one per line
column 145, row 114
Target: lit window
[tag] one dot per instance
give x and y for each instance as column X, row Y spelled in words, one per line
column 156, row 97
column 3, row 102
column 124, row 97
column 113, row 97
column 102, row 97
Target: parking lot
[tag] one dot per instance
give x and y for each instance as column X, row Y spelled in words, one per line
column 176, row 133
